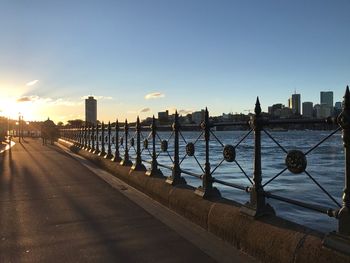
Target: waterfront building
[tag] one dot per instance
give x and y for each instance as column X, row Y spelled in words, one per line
column 91, row 110
column 198, row 116
column 338, row 105
column 326, row 97
column 325, row 110
column 308, row 109
column 163, row 116
column 294, row 104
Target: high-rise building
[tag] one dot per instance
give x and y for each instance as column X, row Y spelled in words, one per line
column 294, row 103
column 198, row 116
column 91, row 110
column 327, row 98
column 308, row 109
column 338, row 105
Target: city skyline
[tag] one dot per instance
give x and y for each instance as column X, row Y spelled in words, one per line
column 139, row 58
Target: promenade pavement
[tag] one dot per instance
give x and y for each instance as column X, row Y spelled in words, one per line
column 54, row 209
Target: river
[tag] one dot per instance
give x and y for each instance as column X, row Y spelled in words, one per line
column 325, row 164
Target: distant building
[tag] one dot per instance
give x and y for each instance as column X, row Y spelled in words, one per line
column 325, row 110
column 91, row 110
column 198, row 116
column 317, row 110
column 163, row 116
column 337, row 108
column 294, row 104
column 308, row 109
column 338, row 105
column 326, row 97
column 285, row 113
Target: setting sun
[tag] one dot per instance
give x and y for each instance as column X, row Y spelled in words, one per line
column 12, row 109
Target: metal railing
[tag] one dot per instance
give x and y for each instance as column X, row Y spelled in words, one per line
column 147, row 145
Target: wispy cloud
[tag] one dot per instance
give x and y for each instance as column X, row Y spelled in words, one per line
column 182, row 112
column 49, row 101
column 145, row 110
column 154, row 95
column 185, row 112
column 27, row 98
column 32, row 83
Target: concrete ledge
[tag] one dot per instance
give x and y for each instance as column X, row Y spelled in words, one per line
column 269, row 239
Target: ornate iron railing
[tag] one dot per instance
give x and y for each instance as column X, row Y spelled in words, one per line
column 135, row 145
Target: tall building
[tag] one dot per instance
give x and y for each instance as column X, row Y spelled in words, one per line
column 198, row 116
column 294, row 103
column 308, row 109
column 91, row 110
column 338, row 105
column 327, row 98
column 163, row 116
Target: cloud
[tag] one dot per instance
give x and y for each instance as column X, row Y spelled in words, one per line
column 184, row 112
column 145, row 110
column 32, row 83
column 154, row 95
column 49, row 101
column 27, row 98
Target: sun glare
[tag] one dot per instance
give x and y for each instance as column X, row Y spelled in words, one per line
column 10, row 108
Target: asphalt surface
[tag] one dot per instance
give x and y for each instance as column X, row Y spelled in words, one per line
column 54, row 209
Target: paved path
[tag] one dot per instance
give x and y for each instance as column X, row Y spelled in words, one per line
column 54, row 209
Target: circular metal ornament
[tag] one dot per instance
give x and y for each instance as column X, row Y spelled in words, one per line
column 296, row 161
column 145, row 144
column 121, row 141
column 112, row 140
column 190, row 149
column 229, row 153
column 132, row 142
column 100, row 138
column 106, row 139
column 164, row 145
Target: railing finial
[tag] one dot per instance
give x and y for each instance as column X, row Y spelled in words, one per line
column 257, row 109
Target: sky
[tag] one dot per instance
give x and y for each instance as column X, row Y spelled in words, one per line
column 139, row 57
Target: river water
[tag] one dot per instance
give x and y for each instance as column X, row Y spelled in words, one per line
column 325, row 164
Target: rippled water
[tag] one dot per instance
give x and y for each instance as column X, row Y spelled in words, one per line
column 325, row 164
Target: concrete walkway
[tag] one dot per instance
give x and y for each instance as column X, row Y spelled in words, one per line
column 54, row 209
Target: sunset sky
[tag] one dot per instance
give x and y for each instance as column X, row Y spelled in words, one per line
column 141, row 57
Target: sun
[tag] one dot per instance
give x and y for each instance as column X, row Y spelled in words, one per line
column 12, row 109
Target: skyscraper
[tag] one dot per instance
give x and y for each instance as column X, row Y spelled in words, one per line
column 294, row 103
column 308, row 109
column 91, row 110
column 327, row 107
column 327, row 98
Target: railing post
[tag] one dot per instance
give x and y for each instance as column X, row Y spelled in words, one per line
column 257, row 206
column 78, row 136
column 176, row 178
column 85, row 137
column 103, row 150
column 92, row 138
column 154, row 171
column 138, row 166
column 341, row 240
column 207, row 190
column 89, row 137
column 116, row 157
column 126, row 161
column 97, row 150
column 109, row 154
